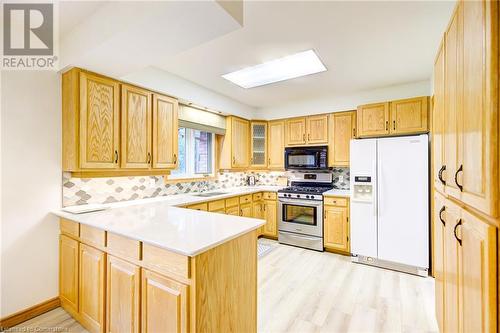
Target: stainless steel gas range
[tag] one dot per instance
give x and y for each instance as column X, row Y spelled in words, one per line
column 300, row 214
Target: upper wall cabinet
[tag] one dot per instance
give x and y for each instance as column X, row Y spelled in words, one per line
column 311, row 130
column 165, row 126
column 438, row 122
column 94, row 142
column 235, row 144
column 469, row 107
column 99, row 122
column 276, row 145
column 258, row 144
column 400, row 117
column 342, row 130
column 136, row 127
column 373, row 119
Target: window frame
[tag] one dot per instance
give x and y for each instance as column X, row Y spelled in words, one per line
column 190, row 173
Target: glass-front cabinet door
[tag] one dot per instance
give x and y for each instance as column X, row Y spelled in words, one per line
column 258, row 145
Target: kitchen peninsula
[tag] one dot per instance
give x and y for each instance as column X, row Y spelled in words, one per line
column 167, row 268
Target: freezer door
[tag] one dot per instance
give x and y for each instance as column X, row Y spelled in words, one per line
column 403, row 200
column 363, row 204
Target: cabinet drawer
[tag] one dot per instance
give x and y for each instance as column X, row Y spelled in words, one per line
column 257, row 196
column 216, row 205
column 335, row 201
column 124, row 247
column 165, row 262
column 200, row 206
column 269, row 196
column 246, row 199
column 231, row 202
column 69, row 227
column 92, row 236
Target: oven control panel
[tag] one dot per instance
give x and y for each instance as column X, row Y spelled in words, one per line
column 300, row 196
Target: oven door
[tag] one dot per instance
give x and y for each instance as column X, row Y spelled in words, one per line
column 301, row 159
column 301, row 216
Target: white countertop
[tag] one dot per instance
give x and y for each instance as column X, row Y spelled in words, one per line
column 158, row 222
column 338, row 193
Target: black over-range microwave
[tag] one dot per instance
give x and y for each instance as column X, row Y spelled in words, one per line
column 306, row 158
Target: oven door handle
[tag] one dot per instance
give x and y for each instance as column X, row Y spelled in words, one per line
column 308, row 203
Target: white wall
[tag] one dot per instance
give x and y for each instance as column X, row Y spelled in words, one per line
column 173, row 85
column 31, row 188
column 334, row 103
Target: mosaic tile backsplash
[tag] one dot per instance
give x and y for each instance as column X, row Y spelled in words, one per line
column 81, row 191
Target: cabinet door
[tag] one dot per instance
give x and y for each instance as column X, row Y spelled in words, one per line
column 373, row 119
column 409, row 116
column 164, row 304
column 276, row 145
column 439, row 256
column 452, row 113
column 122, row 301
column 246, row 210
column 257, row 210
column 240, row 137
column 342, row 128
column 258, row 145
column 136, row 128
column 165, row 132
column 438, row 121
column 99, row 122
column 91, row 290
column 452, row 284
column 68, row 273
column 336, row 228
column 296, row 131
column 479, row 272
column 317, row 129
column 270, row 211
column 479, row 128
column 233, row 211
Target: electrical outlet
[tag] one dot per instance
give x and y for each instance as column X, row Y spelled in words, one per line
column 341, row 179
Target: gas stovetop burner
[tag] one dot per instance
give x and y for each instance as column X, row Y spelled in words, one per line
column 306, row 189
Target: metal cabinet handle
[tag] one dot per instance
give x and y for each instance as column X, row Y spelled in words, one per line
column 460, row 187
column 304, row 137
column 354, row 132
column 234, row 160
column 175, row 158
column 387, row 125
column 308, row 136
column 149, row 158
column 440, row 174
column 394, row 124
column 116, row 156
column 269, row 161
column 455, row 231
column 441, row 216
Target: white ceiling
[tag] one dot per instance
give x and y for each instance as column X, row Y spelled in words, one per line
column 364, row 45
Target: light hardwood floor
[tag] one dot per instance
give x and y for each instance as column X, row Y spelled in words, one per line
column 306, row 291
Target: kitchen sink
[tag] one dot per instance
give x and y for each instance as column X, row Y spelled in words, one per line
column 209, row 194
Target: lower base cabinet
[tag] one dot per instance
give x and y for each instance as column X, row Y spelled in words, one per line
column 271, row 217
column 336, row 225
column 164, row 304
column 91, row 288
column 123, row 296
column 68, row 273
column 465, row 268
column 246, row 210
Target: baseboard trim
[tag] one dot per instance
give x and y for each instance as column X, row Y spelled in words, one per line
column 29, row 313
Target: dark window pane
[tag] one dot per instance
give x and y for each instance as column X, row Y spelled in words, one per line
column 203, row 152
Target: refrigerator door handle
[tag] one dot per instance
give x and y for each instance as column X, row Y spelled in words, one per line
column 374, row 188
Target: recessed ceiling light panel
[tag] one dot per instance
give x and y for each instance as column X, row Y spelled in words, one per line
column 286, row 68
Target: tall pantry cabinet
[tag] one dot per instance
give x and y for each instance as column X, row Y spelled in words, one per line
column 466, row 170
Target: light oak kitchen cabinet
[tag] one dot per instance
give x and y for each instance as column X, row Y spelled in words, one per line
column 336, row 224
column 258, row 145
column 312, row 130
column 235, row 144
column 94, row 143
column 373, row 119
column 438, row 167
column 276, row 145
column 68, row 273
column 122, row 296
column 342, row 130
column 438, row 256
column 136, row 124
column 270, row 206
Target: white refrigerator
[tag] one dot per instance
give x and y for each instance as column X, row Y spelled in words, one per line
column 390, row 202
